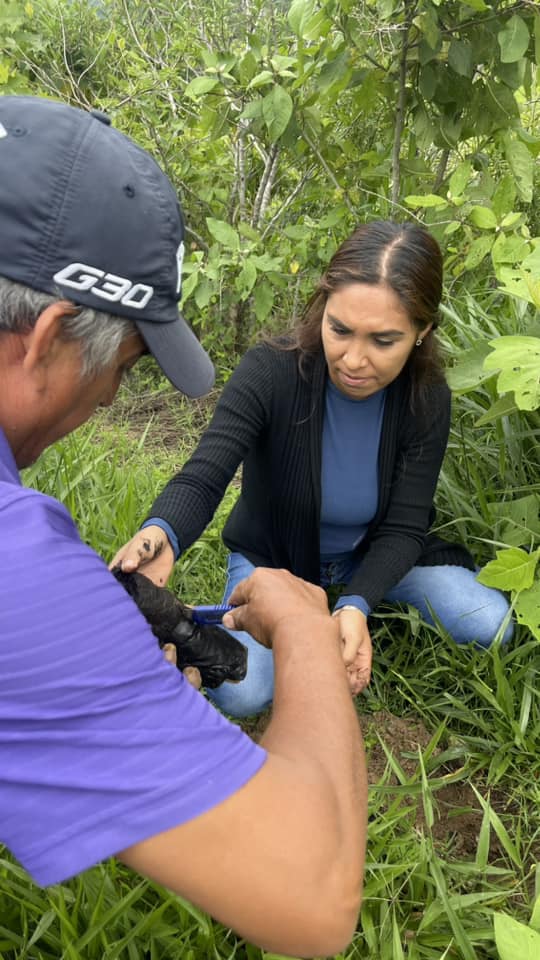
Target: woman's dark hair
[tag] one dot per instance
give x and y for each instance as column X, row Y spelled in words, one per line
column 404, row 257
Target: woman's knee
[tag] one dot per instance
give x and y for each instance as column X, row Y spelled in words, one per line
column 489, row 623
column 484, row 618
column 242, row 699
column 452, row 596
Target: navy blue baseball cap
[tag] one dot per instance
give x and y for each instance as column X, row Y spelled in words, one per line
column 89, row 216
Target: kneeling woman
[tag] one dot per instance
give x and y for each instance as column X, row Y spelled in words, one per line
column 341, row 431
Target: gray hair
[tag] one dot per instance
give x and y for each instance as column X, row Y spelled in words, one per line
column 100, row 333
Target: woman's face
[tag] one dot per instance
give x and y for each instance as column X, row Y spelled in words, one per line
column 367, row 337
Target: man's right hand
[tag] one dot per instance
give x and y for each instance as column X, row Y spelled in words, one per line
column 149, row 552
column 269, row 597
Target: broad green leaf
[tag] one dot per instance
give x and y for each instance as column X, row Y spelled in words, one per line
column 201, row 85
column 427, row 81
column 468, row 373
column 337, row 214
column 306, row 20
column 513, row 39
column 512, row 281
column 426, row 200
column 252, row 110
column 246, row 279
column 386, row 8
column 533, row 286
column 460, row 57
column 502, row 407
column 296, row 232
column 450, row 126
column 535, row 916
column 247, row 67
column 452, row 227
column 223, row 233
column 317, row 26
column 511, row 219
column 281, row 63
column 478, row 5
column 501, row 105
column 532, row 260
column 518, row 359
column 537, row 39
column 267, row 264
column 527, row 610
column 203, row 292
column 483, row 217
column 478, row 249
column 518, row 520
column 521, row 164
column 423, row 128
column 428, row 25
column 277, row 108
column 265, row 76
column 460, row 178
column 335, row 73
column 263, row 299
column 512, row 570
column 513, row 74
column 188, row 284
column 509, row 249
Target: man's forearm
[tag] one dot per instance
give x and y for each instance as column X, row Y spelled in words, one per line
column 314, row 724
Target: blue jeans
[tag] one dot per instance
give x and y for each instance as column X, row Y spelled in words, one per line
column 468, row 611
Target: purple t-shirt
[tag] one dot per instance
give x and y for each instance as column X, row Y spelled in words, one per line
column 102, row 743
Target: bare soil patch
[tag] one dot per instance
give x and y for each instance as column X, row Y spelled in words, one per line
column 458, row 813
column 457, row 810
column 169, row 419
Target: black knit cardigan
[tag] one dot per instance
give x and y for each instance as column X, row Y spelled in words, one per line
column 269, row 417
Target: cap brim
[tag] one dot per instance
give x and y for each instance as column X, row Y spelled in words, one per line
column 180, row 355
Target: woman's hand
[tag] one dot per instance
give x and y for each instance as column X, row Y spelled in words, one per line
column 149, row 552
column 192, row 674
column 357, row 649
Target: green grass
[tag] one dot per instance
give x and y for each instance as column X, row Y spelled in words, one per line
column 452, row 734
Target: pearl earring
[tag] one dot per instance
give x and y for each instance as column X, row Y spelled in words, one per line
column 419, row 342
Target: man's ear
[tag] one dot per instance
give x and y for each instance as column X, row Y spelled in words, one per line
column 42, row 342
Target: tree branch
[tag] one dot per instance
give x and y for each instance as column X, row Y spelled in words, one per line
column 328, row 171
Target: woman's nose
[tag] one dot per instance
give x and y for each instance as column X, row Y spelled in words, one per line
column 355, row 356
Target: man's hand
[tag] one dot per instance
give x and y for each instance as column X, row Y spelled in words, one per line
column 357, row 649
column 150, row 552
column 267, row 598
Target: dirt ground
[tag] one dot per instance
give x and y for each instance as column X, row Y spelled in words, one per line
column 458, row 814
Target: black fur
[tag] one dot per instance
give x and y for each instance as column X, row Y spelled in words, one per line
column 218, row 655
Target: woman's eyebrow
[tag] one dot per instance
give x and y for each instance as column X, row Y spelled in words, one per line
column 337, row 323
column 373, row 333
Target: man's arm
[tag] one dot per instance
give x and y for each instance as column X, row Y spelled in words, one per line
column 281, row 860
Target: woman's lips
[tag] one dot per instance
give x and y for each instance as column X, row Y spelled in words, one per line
column 353, row 381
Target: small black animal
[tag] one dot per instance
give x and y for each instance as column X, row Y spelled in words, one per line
column 218, row 655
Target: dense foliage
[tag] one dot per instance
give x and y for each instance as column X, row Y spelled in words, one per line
column 282, row 125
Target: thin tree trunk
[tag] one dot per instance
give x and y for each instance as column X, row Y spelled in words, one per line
column 441, row 169
column 401, row 104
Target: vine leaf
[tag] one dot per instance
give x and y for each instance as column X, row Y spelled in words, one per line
column 513, row 569
column 518, row 359
column 527, row 610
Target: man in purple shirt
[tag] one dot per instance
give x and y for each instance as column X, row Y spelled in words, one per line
column 105, row 749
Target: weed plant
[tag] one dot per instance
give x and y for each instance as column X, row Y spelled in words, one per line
column 451, row 733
